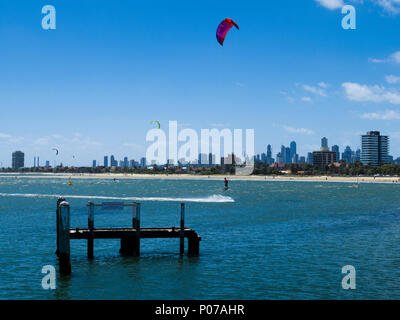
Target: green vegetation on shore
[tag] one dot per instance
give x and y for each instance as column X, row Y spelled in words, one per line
column 343, row 169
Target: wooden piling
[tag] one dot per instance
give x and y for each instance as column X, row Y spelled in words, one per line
column 90, row 242
column 194, row 246
column 59, row 200
column 136, row 225
column 182, row 231
column 64, row 238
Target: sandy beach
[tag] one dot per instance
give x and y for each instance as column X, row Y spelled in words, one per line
column 381, row 179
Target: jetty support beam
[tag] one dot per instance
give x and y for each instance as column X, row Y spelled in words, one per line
column 59, row 200
column 90, row 242
column 182, row 231
column 64, row 238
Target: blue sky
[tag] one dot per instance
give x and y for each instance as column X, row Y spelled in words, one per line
column 291, row 72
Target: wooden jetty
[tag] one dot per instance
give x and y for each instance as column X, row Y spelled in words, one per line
column 130, row 237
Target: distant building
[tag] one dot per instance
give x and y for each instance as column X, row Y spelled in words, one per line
column 106, row 161
column 335, row 148
column 47, row 163
column 323, row 158
column 346, row 155
column 324, row 144
column 94, row 164
column 279, row 158
column 211, row 160
column 203, row 160
column 309, row 158
column 143, row 162
column 293, row 152
column 287, row 156
column 374, row 148
column 228, row 162
column 113, row 162
column 358, row 155
column 270, row 160
column 18, row 160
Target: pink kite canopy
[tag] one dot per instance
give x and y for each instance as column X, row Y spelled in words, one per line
column 223, row 29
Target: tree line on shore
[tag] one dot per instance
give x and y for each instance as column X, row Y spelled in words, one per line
column 341, row 169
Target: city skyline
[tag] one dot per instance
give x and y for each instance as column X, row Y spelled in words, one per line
column 92, row 86
column 286, row 155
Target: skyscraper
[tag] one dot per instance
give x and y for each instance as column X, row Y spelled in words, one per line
column 309, row 158
column 324, row 143
column 293, row 152
column 94, row 164
column 143, row 162
column 113, row 162
column 335, row 148
column 270, row 160
column 18, row 160
column 287, row 155
column 211, row 160
column 106, row 161
column 374, row 148
column 346, row 155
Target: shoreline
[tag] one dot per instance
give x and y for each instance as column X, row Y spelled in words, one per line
column 121, row 176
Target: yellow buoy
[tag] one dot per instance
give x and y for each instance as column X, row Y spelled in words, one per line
column 70, row 182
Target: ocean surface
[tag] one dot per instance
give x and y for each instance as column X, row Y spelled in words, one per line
column 261, row 240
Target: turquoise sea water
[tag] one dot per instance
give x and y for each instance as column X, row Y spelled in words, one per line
column 261, row 240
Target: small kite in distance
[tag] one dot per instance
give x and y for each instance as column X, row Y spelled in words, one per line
column 56, row 150
column 159, row 126
column 223, row 29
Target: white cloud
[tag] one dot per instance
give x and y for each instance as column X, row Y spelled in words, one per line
column 392, row 6
column 317, row 91
column 387, row 115
column 364, row 93
column 331, row 4
column 394, row 58
column 323, row 85
column 298, row 130
column 6, row 138
column 392, row 79
column 306, row 99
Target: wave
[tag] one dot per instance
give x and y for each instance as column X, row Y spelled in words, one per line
column 211, row 199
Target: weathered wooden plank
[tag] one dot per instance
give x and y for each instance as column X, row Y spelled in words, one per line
column 182, row 231
column 115, row 233
column 90, row 243
column 59, row 200
column 64, row 238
